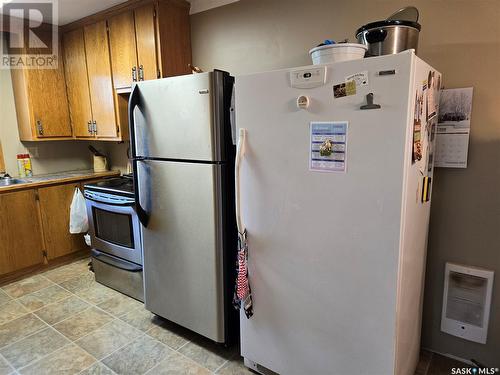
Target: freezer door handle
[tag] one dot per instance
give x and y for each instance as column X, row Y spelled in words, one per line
column 240, row 154
column 134, row 101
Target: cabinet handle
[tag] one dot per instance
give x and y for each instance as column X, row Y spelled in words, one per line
column 89, row 127
column 39, row 127
column 94, row 126
column 141, row 73
column 134, row 74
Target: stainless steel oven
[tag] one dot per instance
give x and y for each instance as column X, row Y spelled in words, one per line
column 113, row 225
column 114, row 230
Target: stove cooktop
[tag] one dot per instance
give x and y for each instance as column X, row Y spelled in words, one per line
column 123, row 186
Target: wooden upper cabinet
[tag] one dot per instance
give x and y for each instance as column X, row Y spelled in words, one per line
column 41, row 103
column 49, row 102
column 174, row 37
column 145, row 18
column 102, row 55
column 106, row 52
column 133, row 46
column 100, row 81
column 123, row 49
column 75, row 65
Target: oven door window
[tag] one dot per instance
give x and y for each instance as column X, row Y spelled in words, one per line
column 116, row 228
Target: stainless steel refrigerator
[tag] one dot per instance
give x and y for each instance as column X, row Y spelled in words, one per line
column 183, row 161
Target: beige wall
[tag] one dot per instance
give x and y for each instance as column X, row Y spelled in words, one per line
column 459, row 38
column 117, row 154
column 52, row 156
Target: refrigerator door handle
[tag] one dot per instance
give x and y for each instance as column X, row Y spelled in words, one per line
column 134, row 101
column 240, row 153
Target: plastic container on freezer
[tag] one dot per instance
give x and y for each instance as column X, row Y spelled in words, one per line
column 330, row 53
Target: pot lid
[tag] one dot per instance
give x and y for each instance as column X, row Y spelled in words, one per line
column 385, row 23
column 405, row 14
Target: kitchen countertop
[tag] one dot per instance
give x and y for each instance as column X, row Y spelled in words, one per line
column 57, row 178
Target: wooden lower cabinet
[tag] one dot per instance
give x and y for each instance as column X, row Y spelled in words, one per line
column 34, row 223
column 21, row 244
column 55, row 202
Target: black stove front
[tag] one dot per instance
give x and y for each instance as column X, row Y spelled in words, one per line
column 122, row 186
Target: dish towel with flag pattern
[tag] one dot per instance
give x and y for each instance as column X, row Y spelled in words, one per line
column 243, row 293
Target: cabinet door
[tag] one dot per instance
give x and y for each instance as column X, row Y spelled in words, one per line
column 123, row 48
column 55, row 202
column 49, row 102
column 100, row 82
column 75, row 67
column 21, row 243
column 174, row 38
column 146, row 42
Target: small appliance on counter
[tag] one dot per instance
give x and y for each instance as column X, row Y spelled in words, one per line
column 100, row 160
column 115, row 235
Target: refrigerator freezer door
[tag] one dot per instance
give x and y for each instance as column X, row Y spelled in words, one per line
column 323, row 246
column 183, row 264
column 174, row 119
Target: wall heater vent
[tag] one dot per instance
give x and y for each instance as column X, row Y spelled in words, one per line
column 466, row 302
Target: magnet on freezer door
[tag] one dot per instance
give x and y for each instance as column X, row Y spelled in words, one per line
column 369, row 103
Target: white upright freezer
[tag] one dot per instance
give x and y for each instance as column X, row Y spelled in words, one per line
column 334, row 192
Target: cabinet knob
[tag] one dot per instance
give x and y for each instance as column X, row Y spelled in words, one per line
column 134, row 74
column 141, row 73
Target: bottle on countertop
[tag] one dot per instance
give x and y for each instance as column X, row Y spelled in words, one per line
column 27, row 165
column 20, row 165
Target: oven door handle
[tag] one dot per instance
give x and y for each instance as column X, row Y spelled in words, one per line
column 113, row 262
column 126, row 204
column 134, row 101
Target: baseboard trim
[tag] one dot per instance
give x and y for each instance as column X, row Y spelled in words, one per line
column 466, row 361
column 39, row 268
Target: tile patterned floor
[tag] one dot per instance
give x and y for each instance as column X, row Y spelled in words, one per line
column 63, row 322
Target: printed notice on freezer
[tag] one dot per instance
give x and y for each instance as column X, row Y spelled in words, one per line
column 328, row 146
